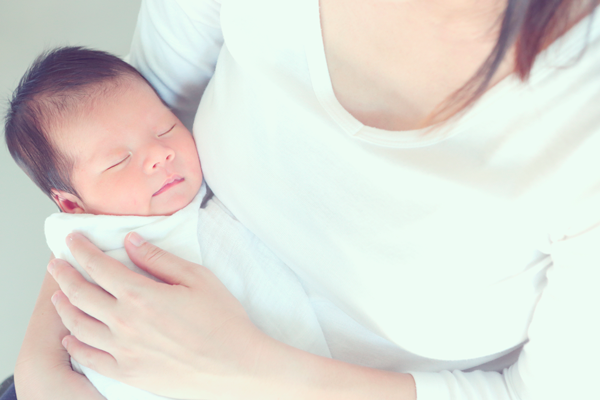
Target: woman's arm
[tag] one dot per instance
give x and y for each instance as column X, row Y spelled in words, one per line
column 197, row 340
column 43, row 369
column 199, row 343
column 560, row 360
column 175, row 46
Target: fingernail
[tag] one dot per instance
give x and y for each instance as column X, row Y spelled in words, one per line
column 65, row 341
column 51, row 267
column 136, row 239
column 69, row 238
column 54, row 298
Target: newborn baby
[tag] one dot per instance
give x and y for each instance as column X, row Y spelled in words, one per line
column 91, row 132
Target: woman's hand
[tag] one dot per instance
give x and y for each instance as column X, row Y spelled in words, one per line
column 189, row 338
column 185, row 338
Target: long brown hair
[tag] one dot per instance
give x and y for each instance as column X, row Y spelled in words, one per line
column 528, row 25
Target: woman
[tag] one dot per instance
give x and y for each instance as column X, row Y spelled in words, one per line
column 429, row 170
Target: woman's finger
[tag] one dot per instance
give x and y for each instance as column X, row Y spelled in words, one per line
column 108, row 273
column 85, row 328
column 159, row 263
column 88, row 356
column 89, row 298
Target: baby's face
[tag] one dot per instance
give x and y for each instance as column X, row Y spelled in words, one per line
column 132, row 155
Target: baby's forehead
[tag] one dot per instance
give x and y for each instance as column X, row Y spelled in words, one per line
column 61, row 107
column 68, row 128
column 89, row 118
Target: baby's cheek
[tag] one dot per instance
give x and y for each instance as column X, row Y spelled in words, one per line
column 132, row 205
column 196, row 166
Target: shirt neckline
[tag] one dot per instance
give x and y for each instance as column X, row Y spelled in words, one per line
column 563, row 49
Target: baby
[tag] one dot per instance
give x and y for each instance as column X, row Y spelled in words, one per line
column 92, row 133
column 96, row 138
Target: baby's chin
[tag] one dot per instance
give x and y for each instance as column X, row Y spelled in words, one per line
column 176, row 197
column 171, row 206
column 167, row 212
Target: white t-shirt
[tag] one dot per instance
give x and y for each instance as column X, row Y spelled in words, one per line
column 435, row 252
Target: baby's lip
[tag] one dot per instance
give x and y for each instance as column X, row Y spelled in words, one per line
column 169, row 183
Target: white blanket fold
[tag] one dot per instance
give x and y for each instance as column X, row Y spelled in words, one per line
column 270, row 292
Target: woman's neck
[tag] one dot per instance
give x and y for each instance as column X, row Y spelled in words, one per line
column 468, row 19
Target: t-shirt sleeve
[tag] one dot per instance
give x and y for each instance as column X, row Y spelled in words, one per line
column 175, row 46
column 561, row 358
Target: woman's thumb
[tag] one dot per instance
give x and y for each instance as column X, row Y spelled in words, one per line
column 154, row 260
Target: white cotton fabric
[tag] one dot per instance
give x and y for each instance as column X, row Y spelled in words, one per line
column 108, row 232
column 437, row 251
column 270, row 292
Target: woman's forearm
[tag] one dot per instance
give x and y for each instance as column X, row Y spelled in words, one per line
column 295, row 374
column 197, row 341
column 45, row 330
column 41, row 349
column 43, row 370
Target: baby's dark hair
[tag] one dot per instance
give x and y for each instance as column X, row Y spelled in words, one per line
column 58, row 82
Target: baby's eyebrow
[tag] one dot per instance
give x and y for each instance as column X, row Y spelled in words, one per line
column 96, row 156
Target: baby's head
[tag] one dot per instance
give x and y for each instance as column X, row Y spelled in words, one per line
column 93, row 134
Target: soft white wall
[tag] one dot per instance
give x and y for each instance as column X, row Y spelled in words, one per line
column 26, row 28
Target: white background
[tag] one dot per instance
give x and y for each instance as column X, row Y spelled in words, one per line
column 28, row 27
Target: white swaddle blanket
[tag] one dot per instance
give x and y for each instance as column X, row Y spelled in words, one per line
column 269, row 291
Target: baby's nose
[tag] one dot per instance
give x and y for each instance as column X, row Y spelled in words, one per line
column 159, row 156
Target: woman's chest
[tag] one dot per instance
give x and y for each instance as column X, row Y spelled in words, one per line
column 392, row 63
column 441, row 235
column 388, row 67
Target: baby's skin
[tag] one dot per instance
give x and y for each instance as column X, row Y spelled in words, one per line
column 131, row 155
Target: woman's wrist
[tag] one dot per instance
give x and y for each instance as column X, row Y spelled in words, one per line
column 286, row 372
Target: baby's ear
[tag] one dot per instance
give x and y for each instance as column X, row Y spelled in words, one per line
column 67, row 202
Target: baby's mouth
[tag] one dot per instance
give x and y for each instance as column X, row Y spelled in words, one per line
column 169, row 183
